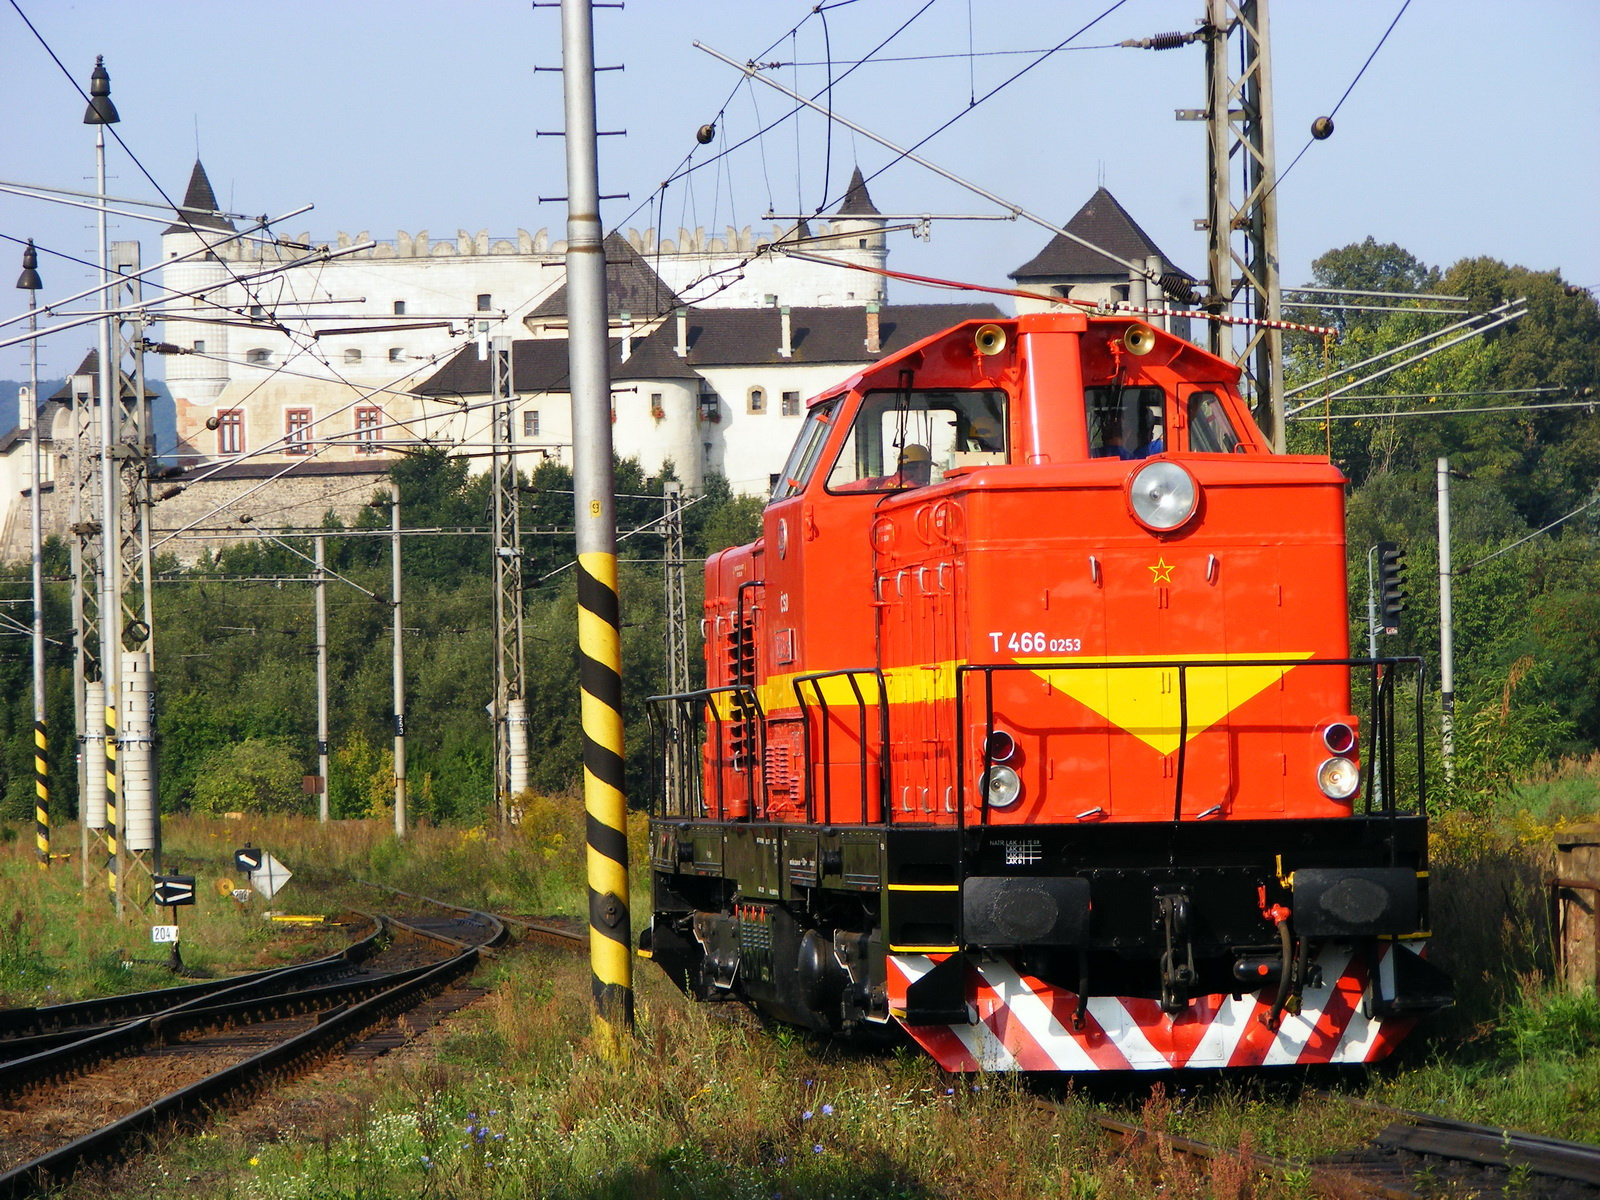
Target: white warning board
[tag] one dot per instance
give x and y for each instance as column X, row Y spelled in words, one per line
column 268, row 879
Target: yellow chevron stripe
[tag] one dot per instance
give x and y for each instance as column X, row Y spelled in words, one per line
column 1140, row 701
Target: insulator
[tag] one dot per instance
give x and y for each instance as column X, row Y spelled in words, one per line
column 705, row 134
column 1322, row 128
column 1161, row 41
column 1178, row 287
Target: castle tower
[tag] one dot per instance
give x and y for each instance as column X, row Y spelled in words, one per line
column 197, row 378
column 860, row 240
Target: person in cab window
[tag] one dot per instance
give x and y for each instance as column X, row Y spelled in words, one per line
column 984, row 436
column 1112, row 447
column 916, row 467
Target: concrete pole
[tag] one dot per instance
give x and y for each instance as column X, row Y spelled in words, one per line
column 322, row 676
column 110, row 537
column 594, row 496
column 1447, row 648
column 82, row 712
column 399, row 672
column 41, row 760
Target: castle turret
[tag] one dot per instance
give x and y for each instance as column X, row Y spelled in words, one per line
column 196, row 378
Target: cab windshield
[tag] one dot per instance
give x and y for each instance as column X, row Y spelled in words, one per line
column 907, row 439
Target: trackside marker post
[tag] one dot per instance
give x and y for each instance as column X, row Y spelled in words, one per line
column 594, row 500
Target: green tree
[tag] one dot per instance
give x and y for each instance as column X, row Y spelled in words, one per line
column 252, row 776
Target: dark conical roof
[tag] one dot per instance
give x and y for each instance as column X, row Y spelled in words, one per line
column 631, row 285
column 199, row 207
column 856, row 201
column 90, row 366
column 1105, row 223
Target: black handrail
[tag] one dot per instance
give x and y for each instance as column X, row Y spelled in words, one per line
column 1380, row 730
column 688, row 702
column 852, row 676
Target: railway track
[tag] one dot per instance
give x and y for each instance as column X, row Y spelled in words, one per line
column 103, row 1078
column 1415, row 1157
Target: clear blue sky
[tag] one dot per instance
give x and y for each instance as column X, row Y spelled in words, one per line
column 1473, row 132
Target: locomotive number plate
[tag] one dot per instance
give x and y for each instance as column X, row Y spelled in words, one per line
column 1035, row 643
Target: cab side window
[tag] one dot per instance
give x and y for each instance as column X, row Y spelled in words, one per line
column 1210, row 431
column 807, row 450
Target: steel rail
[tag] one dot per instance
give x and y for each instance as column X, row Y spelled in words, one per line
column 347, row 1021
column 551, row 933
column 1329, row 1181
column 23, row 1023
column 1492, row 1145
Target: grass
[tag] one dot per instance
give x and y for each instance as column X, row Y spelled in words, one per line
column 510, row 1098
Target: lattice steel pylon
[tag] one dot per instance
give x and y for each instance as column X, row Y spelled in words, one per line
column 133, row 450
column 677, row 621
column 83, row 507
column 510, row 708
column 1243, row 237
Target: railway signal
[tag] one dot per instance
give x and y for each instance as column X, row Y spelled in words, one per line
column 1391, row 586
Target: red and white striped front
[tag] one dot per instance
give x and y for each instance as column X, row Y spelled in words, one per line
column 1019, row 1023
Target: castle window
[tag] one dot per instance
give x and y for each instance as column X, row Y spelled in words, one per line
column 485, row 302
column 770, row 300
column 530, row 424
column 756, row 400
column 230, row 431
column 367, row 422
column 258, row 356
column 862, row 242
column 257, row 311
column 199, row 347
column 399, row 308
column 352, row 356
column 297, row 431
column 710, row 406
column 791, row 404
column 396, row 354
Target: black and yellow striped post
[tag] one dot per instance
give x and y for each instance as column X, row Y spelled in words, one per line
column 113, row 848
column 594, row 498
column 41, row 795
column 605, row 802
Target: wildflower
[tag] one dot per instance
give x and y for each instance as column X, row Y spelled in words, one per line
column 472, row 1118
column 817, row 1148
column 811, row 1083
column 807, row 1115
column 827, row 1110
column 949, row 1091
column 427, row 1163
column 482, row 1133
column 255, row 1162
column 499, row 1137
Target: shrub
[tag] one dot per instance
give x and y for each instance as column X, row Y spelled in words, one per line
column 254, row 776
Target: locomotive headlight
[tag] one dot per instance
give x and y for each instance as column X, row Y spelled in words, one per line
column 1162, row 495
column 1338, row 778
column 1003, row 787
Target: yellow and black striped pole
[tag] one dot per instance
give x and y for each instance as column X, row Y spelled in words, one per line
column 113, row 849
column 594, row 498
column 41, row 794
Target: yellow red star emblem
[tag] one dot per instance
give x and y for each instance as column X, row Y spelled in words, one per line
column 1162, row 571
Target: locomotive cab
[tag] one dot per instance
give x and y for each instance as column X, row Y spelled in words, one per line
column 1029, row 727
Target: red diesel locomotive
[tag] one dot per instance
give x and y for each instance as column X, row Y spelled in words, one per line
column 1029, row 728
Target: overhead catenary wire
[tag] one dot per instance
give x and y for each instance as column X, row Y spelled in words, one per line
column 1587, row 504
column 1282, row 175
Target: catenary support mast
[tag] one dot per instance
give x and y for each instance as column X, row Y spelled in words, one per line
column 1243, row 237
column 594, row 498
column 29, row 282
